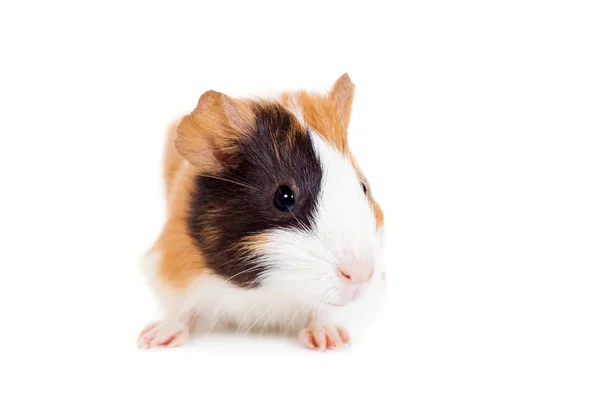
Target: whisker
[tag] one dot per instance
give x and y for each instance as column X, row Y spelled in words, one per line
column 240, row 324
column 220, row 178
column 216, row 322
column 291, row 322
column 258, row 319
column 272, row 315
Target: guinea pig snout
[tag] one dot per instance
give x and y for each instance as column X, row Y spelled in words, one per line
column 356, row 272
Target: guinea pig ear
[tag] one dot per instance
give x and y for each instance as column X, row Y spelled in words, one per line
column 208, row 137
column 342, row 95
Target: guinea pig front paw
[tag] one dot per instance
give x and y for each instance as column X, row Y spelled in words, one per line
column 323, row 336
column 165, row 334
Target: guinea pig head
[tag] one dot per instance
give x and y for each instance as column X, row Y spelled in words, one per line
column 279, row 202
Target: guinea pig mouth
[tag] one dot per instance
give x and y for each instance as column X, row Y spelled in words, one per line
column 347, row 299
column 338, row 304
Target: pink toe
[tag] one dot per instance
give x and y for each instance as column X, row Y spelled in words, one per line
column 344, row 336
column 320, row 338
column 307, row 339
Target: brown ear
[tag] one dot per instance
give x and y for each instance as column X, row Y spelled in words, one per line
column 208, row 137
column 342, row 95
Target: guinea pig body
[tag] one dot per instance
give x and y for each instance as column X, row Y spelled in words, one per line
column 271, row 224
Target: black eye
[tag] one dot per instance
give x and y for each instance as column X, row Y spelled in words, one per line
column 284, row 198
column 364, row 187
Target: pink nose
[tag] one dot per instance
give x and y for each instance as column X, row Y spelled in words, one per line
column 356, row 272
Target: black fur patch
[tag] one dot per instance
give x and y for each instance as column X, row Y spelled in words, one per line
column 224, row 214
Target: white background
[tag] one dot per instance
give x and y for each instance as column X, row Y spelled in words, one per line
column 478, row 124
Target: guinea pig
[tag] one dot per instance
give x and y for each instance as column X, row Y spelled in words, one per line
column 271, row 224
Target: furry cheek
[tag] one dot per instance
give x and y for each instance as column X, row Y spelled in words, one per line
column 301, row 265
column 297, row 263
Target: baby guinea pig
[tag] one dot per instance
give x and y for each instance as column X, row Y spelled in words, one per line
column 270, row 222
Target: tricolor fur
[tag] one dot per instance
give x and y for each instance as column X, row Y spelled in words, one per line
column 226, row 254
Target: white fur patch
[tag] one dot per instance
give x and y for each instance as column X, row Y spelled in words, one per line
column 305, row 264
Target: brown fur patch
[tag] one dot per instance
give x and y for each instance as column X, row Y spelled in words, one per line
column 328, row 114
column 251, row 244
column 319, row 112
column 180, row 260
